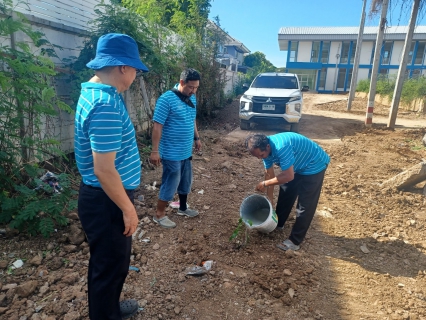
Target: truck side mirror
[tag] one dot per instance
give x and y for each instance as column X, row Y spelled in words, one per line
column 305, row 88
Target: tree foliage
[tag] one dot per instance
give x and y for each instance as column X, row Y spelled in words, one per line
column 28, row 101
column 165, row 52
column 257, row 63
column 178, row 15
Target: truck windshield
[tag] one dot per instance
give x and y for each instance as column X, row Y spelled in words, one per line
column 275, row 82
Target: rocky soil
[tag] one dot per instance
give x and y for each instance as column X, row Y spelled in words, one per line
column 364, row 256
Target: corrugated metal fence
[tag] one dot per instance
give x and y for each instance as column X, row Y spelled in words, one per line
column 75, row 13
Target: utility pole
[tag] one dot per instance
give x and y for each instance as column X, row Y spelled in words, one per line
column 403, row 66
column 376, row 62
column 357, row 56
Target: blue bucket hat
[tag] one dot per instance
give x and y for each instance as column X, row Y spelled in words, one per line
column 116, row 49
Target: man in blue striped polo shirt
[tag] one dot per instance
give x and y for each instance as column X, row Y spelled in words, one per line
column 303, row 164
column 173, row 136
column 108, row 160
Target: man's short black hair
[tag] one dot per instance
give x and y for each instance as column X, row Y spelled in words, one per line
column 190, row 74
column 256, row 141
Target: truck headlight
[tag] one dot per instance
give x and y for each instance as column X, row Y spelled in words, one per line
column 297, row 107
column 246, row 106
column 295, row 98
column 245, row 96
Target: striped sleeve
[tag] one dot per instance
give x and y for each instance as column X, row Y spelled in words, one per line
column 162, row 110
column 105, row 129
column 286, row 156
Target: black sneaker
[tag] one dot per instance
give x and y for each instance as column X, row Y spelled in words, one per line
column 128, row 308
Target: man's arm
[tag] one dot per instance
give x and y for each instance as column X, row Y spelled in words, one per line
column 196, row 135
column 157, row 131
column 270, row 174
column 283, row 177
column 110, row 180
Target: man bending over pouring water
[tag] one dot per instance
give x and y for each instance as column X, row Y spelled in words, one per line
column 303, row 164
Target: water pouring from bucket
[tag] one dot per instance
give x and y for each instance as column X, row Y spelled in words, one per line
column 257, row 213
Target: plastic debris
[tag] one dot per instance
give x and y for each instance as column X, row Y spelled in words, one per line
column 151, row 187
column 135, row 233
column 17, row 264
column 141, row 197
column 364, row 248
column 200, row 270
column 201, row 191
column 146, row 240
column 141, row 234
column 52, row 180
column 176, row 204
column 132, row 268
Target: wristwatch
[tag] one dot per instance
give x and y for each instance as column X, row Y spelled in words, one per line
column 196, row 138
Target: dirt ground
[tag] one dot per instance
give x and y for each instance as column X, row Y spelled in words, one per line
column 364, row 256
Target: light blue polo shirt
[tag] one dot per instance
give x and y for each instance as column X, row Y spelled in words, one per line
column 292, row 149
column 103, row 125
column 178, row 121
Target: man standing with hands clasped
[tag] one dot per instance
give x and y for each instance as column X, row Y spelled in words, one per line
column 173, row 136
column 108, row 160
column 303, row 164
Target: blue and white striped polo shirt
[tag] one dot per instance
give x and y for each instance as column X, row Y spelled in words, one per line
column 102, row 125
column 178, row 121
column 292, row 149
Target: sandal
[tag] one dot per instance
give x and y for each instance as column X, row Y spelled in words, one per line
column 288, row 245
column 165, row 222
column 128, row 308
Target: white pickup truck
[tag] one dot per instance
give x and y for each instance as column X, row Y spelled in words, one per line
column 272, row 98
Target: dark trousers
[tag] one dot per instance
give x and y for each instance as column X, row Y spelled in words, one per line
column 103, row 224
column 307, row 188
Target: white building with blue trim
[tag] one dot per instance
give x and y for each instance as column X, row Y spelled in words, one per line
column 323, row 57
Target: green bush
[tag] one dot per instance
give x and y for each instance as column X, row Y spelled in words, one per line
column 27, row 102
column 412, row 89
column 363, row 86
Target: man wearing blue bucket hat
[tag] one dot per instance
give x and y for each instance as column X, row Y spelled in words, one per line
column 108, row 160
column 303, row 164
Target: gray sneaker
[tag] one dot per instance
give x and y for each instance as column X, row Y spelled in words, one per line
column 165, row 222
column 288, row 245
column 188, row 212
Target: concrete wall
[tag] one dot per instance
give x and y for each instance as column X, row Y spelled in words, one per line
column 366, row 49
column 329, row 81
column 304, row 51
column 335, row 48
column 397, row 52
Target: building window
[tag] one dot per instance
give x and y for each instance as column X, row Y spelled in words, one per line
column 387, row 52
column 325, row 51
column 353, row 52
column 344, row 56
column 323, row 76
column 341, row 78
column 348, row 84
column 420, row 52
column 293, row 51
column 315, row 51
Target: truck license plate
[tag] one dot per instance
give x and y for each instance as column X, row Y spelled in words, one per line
column 268, row 107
